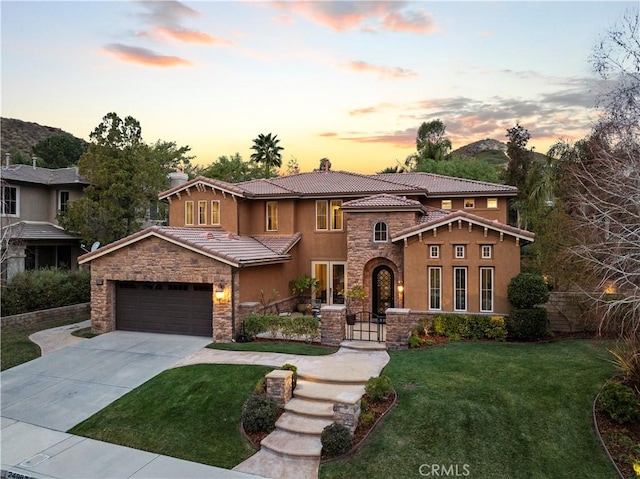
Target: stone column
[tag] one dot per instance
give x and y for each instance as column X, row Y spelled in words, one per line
column 280, row 385
column 332, row 326
column 399, row 326
column 346, row 411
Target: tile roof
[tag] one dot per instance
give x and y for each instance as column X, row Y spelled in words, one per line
column 218, row 244
column 383, row 201
column 37, row 230
column 439, row 184
column 42, row 176
column 203, row 182
column 436, row 218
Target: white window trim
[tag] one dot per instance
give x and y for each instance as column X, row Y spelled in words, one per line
column 459, row 247
column 466, row 299
column 449, row 202
column 492, row 199
column 275, row 216
column 337, row 212
column 213, row 202
column 327, row 220
column 386, row 232
column 439, row 269
column 472, row 202
column 491, row 270
column 188, row 205
column 60, row 198
column 486, row 247
column 17, row 214
column 200, row 217
column 437, row 250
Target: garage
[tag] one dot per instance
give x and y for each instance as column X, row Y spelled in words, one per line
column 171, row 308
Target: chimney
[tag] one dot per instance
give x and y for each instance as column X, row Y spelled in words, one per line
column 7, row 159
column 33, row 160
column 177, row 178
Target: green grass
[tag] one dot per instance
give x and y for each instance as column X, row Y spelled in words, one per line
column 16, row 348
column 192, row 413
column 505, row 410
column 293, row 347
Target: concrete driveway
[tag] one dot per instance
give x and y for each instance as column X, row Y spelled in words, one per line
column 65, row 387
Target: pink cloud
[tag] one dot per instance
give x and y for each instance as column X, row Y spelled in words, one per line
column 143, row 56
column 417, row 21
column 284, row 19
column 387, row 72
column 328, row 134
column 192, row 36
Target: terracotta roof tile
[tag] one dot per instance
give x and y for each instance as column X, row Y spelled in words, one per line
column 382, row 201
column 438, row 184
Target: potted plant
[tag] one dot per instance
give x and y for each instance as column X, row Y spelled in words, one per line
column 354, row 297
column 303, row 287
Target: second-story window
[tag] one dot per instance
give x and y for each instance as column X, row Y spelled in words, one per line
column 380, row 232
column 63, row 199
column 492, row 202
column 322, row 220
column 446, row 204
column 486, row 251
column 434, row 251
column 469, row 203
column 272, row 216
column 10, row 201
column 202, row 212
column 328, row 215
column 188, row 212
column 336, row 214
column 215, row 212
column 459, row 251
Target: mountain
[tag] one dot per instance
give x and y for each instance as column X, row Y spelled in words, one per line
column 489, row 150
column 19, row 137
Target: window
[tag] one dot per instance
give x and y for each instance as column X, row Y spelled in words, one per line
column 459, row 251
column 469, row 203
column 63, row 199
column 486, row 289
column 492, row 202
column 434, row 251
column 321, row 215
column 215, row 212
column 202, row 212
column 486, row 251
column 380, row 232
column 460, row 289
column 323, row 220
column 435, row 288
column 272, row 216
column 446, row 204
column 336, row 214
column 188, row 212
column 10, row 201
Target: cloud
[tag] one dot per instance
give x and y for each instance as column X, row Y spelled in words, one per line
column 370, row 110
column 143, row 56
column 192, row 36
column 385, row 72
column 417, row 21
column 328, row 134
column 165, row 12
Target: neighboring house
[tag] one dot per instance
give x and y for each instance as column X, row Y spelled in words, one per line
column 415, row 240
column 31, row 197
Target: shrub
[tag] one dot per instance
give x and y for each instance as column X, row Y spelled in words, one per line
column 527, row 290
column 366, row 418
column 528, row 324
column 291, row 367
column 626, row 357
column 261, row 386
column 336, row 439
column 378, row 389
column 415, row 341
column 287, row 326
column 620, row 402
column 254, row 324
column 45, row 288
column 470, row 326
column 259, row 413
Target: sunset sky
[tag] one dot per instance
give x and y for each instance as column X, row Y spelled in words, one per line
column 350, row 81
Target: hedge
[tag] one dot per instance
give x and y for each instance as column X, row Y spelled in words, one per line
column 470, row 326
column 287, row 326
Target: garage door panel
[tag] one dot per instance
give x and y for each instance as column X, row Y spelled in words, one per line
column 177, row 308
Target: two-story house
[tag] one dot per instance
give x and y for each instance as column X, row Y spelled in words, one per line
column 415, row 240
column 30, row 200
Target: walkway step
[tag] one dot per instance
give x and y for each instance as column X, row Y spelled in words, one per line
column 293, row 445
column 347, row 393
column 302, row 424
column 313, row 409
column 364, row 345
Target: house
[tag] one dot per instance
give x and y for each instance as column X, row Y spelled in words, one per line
column 31, row 198
column 414, row 240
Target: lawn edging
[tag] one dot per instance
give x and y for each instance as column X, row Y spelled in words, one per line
column 599, row 436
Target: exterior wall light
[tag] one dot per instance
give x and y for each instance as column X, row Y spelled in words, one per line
column 219, row 292
column 400, row 288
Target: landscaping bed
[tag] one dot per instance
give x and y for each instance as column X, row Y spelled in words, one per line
column 622, row 441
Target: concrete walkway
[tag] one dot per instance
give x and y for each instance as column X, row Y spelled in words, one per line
column 291, row 451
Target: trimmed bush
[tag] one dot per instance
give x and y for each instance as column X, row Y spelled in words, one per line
column 336, row 439
column 528, row 324
column 288, row 326
column 35, row 290
column 620, row 402
column 261, row 386
column 527, row 290
column 470, row 326
column 291, row 367
column 378, row 389
column 259, row 413
column 415, row 341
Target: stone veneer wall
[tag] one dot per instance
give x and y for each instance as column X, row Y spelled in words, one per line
column 156, row 260
column 571, row 312
column 333, row 324
column 400, row 322
column 9, row 323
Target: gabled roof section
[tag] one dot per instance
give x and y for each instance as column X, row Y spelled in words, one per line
column 383, row 202
column 279, row 244
column 220, row 245
column 202, row 183
column 447, row 185
column 42, row 176
column 436, row 218
column 37, row 230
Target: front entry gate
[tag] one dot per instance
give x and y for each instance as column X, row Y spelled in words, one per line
column 366, row 327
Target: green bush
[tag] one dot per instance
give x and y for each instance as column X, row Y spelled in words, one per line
column 366, row 418
column 261, row 386
column 259, row 413
column 528, row 324
column 288, row 326
column 44, row 289
column 470, row 326
column 378, row 389
column 620, row 402
column 527, row 290
column 415, row 341
column 336, row 439
column 291, row 367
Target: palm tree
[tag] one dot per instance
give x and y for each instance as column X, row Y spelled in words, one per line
column 267, row 152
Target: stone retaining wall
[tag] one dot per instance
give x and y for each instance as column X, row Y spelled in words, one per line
column 9, row 323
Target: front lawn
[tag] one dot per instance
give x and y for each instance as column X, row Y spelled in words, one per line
column 292, row 347
column 489, row 410
column 192, row 413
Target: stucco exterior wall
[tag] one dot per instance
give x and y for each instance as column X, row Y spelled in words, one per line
column 480, row 206
column 228, row 209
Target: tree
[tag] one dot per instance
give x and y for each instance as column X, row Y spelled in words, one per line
column 293, row 168
column 232, row 169
column 431, row 142
column 515, row 174
column 60, row 151
column 267, row 152
column 124, row 175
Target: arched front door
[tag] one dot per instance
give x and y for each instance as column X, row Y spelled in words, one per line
column 382, row 286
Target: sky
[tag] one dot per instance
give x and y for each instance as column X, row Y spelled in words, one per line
column 349, row 81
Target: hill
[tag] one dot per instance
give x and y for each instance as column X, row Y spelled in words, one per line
column 489, row 150
column 19, row 137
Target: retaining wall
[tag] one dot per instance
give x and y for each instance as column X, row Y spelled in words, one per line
column 9, row 323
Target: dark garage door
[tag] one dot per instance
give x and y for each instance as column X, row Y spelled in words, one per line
column 174, row 308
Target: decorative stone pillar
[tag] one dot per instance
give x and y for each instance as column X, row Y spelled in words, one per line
column 244, row 310
column 346, row 411
column 399, row 326
column 332, row 326
column 280, row 385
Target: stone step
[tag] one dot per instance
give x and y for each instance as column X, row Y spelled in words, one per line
column 292, row 444
column 310, row 408
column 302, row 424
column 364, row 345
column 344, row 393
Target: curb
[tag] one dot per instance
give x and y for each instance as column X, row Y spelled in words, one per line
column 595, row 425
